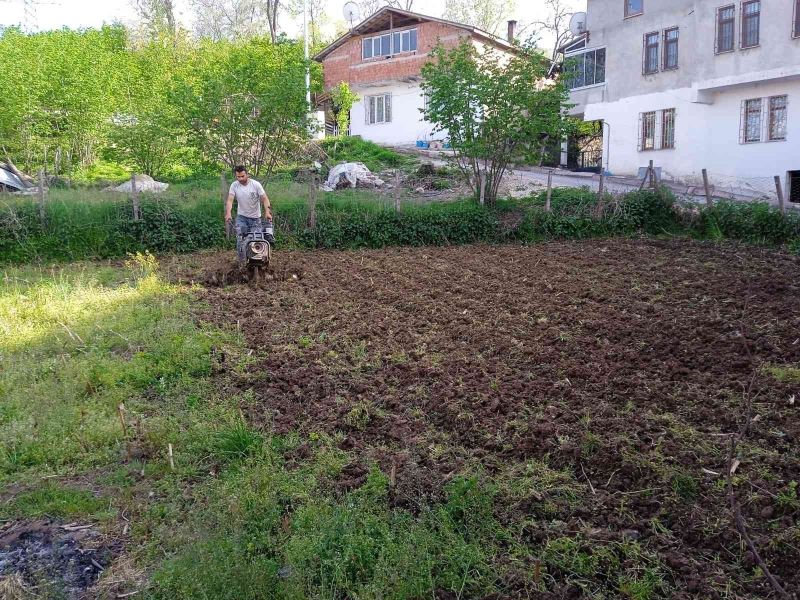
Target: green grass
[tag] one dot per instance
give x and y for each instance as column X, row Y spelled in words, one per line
column 789, row 373
column 56, row 502
column 377, row 158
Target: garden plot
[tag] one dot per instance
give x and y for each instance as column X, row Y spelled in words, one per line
column 624, row 364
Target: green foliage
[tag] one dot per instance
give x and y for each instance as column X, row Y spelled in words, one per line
column 54, row 502
column 91, row 225
column 491, row 109
column 757, row 223
column 161, row 107
column 244, row 102
column 343, row 100
column 354, row 149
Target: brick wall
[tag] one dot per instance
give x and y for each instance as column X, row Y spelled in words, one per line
column 345, row 63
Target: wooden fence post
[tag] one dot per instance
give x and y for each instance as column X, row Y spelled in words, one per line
column 397, row 191
column 709, row 199
column 779, row 189
column 42, row 215
column 600, row 195
column 312, row 200
column 547, row 206
column 483, row 190
column 652, row 172
column 135, row 198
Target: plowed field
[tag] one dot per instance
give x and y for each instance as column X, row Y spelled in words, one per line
column 626, row 364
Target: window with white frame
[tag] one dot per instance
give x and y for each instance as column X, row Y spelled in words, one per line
column 777, row 118
column 585, row 68
column 751, row 120
column 633, row 8
column 378, row 109
column 764, row 120
column 668, row 128
column 389, row 44
column 657, row 130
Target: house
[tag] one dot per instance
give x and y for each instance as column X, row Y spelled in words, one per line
column 381, row 59
column 692, row 85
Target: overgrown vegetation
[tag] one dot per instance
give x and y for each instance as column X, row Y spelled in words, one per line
column 490, row 110
column 354, row 149
column 169, row 107
column 91, row 225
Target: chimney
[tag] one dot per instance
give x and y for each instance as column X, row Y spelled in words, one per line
column 512, row 31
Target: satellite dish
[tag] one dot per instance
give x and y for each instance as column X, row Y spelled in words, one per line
column 352, row 13
column 577, row 24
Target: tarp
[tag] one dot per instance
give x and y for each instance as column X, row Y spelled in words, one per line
column 11, row 181
column 352, row 175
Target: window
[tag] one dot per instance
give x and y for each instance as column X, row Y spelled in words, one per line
column 751, row 23
column 671, row 49
column 668, row 128
column 726, row 26
column 389, row 44
column 777, row 118
column 379, row 109
column 651, row 53
column 752, row 121
column 796, row 31
column 648, row 131
column 657, row 130
column 584, row 69
column 633, row 7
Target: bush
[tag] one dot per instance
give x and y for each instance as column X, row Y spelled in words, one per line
column 78, row 228
column 354, row 149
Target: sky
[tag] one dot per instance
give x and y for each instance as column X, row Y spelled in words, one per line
column 55, row 14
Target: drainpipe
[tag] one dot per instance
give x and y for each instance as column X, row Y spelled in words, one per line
column 607, row 154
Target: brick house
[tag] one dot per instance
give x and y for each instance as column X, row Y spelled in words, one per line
column 381, row 59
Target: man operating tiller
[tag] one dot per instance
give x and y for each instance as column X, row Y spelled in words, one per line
column 254, row 237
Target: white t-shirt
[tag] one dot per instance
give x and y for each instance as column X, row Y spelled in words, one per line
column 248, row 198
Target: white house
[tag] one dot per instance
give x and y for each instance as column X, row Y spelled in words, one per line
column 381, row 59
column 693, row 84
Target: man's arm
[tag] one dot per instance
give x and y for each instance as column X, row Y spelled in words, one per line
column 267, row 206
column 228, row 207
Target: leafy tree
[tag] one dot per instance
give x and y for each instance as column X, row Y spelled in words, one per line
column 157, row 16
column 488, row 15
column 495, row 111
column 244, row 102
column 56, row 110
column 343, row 100
column 235, row 19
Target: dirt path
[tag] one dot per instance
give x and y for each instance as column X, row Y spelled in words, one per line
column 624, row 362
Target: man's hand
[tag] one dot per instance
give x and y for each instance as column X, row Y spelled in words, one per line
column 268, row 212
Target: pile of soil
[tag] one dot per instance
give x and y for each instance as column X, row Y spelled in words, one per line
column 627, row 363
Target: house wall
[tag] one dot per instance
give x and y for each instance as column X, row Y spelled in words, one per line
column 407, row 125
column 706, row 90
column 345, row 63
column 707, row 136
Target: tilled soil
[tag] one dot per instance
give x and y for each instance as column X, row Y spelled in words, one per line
column 627, row 363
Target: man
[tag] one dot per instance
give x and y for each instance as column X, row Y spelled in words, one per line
column 250, row 196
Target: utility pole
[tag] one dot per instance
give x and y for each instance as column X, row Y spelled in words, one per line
column 308, row 64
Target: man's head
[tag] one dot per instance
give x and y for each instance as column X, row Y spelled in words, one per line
column 242, row 176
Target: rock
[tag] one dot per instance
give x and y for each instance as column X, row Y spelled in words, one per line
column 631, row 534
column 351, row 175
column 144, row 183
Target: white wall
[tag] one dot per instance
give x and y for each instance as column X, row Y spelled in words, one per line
column 407, row 125
column 706, row 135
